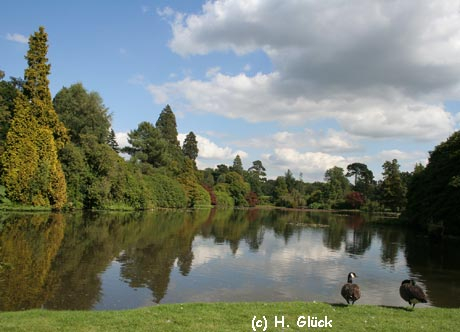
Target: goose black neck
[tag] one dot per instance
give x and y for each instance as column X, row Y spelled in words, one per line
column 350, row 279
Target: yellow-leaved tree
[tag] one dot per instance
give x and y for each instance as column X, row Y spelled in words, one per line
column 31, row 170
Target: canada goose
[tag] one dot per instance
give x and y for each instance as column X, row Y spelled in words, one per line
column 350, row 291
column 411, row 292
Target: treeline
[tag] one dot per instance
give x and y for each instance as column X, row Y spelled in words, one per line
column 62, row 153
column 251, row 187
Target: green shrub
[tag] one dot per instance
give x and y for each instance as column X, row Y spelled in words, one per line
column 224, row 199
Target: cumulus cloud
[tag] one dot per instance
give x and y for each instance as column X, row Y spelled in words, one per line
column 311, row 164
column 315, row 140
column 210, row 150
column 381, row 68
column 122, row 139
column 17, row 37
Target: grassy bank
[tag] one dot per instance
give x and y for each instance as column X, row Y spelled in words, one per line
column 236, row 317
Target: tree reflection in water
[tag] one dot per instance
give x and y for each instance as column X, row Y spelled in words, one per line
column 58, row 261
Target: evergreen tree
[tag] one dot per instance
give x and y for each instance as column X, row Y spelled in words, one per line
column 147, row 145
column 363, row 178
column 237, row 165
column 190, row 146
column 32, row 173
column 36, row 87
column 112, row 141
column 259, row 169
column 167, row 126
column 255, row 176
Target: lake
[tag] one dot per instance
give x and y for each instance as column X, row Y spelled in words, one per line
column 113, row 260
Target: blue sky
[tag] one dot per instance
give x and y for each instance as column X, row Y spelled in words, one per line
column 299, row 85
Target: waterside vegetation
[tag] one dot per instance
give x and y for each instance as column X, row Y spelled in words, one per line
column 61, row 153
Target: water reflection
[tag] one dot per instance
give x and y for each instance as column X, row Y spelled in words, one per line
column 126, row 260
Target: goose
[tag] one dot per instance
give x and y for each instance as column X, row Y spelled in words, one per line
column 411, row 292
column 351, row 291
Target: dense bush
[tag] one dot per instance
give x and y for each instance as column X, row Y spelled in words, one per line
column 166, row 192
column 224, row 199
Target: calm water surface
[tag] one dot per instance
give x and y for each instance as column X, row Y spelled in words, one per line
column 129, row 260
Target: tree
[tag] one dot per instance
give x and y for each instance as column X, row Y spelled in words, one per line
column 190, row 146
column 167, row 126
column 434, row 191
column 83, row 113
column 32, row 173
column 112, row 141
column 256, row 176
column 8, row 93
column 36, row 87
column 237, row 165
column 258, row 169
column 147, row 145
column 337, row 184
column 290, row 180
column 392, row 187
column 363, row 178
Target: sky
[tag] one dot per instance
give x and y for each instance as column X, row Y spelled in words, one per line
column 303, row 85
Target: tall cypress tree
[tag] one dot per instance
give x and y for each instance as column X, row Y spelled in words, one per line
column 190, row 146
column 166, row 123
column 32, row 172
column 237, row 165
column 36, row 87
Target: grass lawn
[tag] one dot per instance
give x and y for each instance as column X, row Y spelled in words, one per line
column 236, row 317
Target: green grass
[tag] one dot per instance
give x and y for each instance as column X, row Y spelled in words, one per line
column 235, row 317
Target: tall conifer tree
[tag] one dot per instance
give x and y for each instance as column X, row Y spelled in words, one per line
column 166, row 123
column 190, row 146
column 36, row 87
column 32, row 172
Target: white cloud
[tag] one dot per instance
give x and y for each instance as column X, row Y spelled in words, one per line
column 312, row 164
column 165, row 12
column 315, row 140
column 210, row 150
column 122, row 139
column 17, row 37
column 381, row 68
column 406, row 159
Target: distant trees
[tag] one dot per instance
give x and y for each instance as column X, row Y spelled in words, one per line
column 63, row 153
